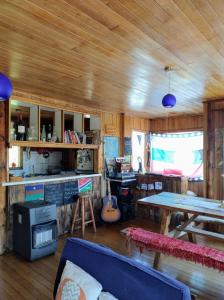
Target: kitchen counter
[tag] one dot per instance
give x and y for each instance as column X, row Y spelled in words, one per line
column 17, row 192
column 48, row 178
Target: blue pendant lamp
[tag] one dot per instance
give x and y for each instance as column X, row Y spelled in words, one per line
column 169, row 100
column 5, row 87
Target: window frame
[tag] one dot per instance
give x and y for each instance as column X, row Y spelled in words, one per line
column 197, row 179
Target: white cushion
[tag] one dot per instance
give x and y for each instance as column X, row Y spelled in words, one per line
column 106, row 296
column 76, row 284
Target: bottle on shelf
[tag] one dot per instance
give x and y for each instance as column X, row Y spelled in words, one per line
column 20, row 129
column 54, row 136
column 43, row 134
column 49, row 133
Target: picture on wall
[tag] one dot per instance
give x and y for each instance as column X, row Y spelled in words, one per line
column 85, row 185
column 34, row 192
column 111, row 147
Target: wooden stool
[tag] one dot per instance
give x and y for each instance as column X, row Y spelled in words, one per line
column 82, row 202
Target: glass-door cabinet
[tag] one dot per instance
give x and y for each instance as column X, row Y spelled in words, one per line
column 50, row 125
column 33, row 125
column 23, row 122
column 81, row 128
column 73, row 128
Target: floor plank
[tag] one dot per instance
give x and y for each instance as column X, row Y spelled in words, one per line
column 20, row 279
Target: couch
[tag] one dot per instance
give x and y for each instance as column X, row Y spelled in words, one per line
column 125, row 278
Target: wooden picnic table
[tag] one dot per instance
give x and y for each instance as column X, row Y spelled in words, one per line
column 192, row 207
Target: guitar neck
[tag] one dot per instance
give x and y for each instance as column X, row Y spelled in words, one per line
column 109, row 191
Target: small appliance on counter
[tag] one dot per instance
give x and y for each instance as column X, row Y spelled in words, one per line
column 84, row 163
column 54, row 170
column 118, row 168
column 34, row 229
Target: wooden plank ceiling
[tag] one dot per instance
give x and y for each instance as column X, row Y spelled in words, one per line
column 110, row 54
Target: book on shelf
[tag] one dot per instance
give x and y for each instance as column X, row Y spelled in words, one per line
column 81, row 137
column 77, row 137
column 69, row 137
column 74, row 137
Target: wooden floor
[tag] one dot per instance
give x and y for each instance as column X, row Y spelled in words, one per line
column 25, row 280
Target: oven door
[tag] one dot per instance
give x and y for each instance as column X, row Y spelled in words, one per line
column 44, row 234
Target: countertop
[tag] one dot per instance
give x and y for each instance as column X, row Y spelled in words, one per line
column 49, row 178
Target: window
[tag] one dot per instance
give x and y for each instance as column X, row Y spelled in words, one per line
column 15, row 157
column 138, row 149
column 177, row 154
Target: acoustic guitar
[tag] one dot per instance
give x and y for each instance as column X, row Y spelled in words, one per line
column 110, row 211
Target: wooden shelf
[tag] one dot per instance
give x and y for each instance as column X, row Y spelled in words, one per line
column 36, row 144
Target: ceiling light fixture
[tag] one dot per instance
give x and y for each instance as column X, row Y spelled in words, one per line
column 5, row 87
column 169, row 100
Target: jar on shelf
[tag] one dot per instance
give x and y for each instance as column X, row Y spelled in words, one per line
column 32, row 134
column 12, row 132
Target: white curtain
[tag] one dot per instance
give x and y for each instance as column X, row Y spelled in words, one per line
column 177, row 154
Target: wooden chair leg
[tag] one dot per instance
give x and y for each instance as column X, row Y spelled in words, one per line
column 92, row 213
column 83, row 217
column 75, row 215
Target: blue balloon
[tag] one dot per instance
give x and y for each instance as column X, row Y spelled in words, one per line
column 169, row 100
column 5, row 87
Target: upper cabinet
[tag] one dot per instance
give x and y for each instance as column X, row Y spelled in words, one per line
column 32, row 125
column 23, row 122
column 81, row 129
column 50, row 125
column 91, row 124
column 73, row 121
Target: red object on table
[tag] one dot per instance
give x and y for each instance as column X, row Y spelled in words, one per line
column 206, row 256
column 172, row 172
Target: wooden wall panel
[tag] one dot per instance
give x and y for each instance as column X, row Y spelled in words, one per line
column 206, row 113
column 135, row 123
column 214, row 143
column 111, row 124
column 197, row 187
column 179, row 123
column 3, row 172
